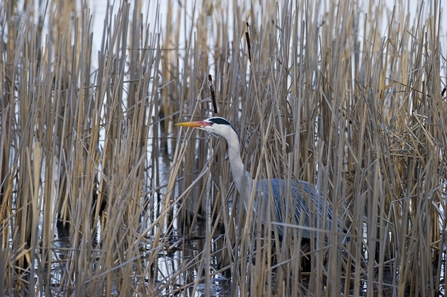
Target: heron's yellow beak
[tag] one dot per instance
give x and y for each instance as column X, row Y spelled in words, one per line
column 198, row 124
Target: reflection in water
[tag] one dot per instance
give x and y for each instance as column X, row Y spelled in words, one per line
column 185, row 257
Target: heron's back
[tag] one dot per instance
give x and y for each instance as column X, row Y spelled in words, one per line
column 293, row 203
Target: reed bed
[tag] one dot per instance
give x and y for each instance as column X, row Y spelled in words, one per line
column 101, row 196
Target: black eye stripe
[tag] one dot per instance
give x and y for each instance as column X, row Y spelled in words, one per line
column 219, row 121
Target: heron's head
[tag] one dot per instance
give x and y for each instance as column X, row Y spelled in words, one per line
column 215, row 125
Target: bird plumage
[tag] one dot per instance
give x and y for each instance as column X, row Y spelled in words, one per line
column 286, row 206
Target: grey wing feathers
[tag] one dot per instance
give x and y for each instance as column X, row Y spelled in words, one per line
column 299, row 191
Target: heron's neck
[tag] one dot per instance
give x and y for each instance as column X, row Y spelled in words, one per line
column 244, row 182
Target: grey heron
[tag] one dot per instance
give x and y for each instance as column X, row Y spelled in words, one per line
column 299, row 191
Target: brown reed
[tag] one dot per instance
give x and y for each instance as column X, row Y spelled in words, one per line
column 101, row 196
